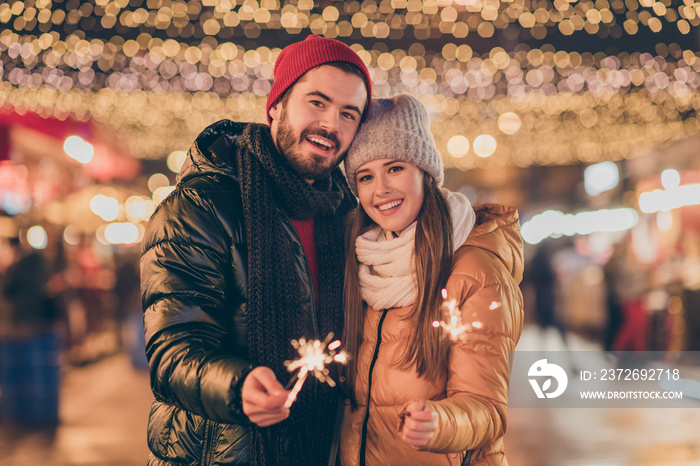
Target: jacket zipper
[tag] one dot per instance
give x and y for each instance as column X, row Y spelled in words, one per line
column 363, row 444
column 208, row 447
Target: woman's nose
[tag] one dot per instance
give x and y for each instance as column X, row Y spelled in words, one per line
column 381, row 187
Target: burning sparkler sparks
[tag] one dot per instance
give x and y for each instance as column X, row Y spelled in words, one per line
column 313, row 357
column 453, row 326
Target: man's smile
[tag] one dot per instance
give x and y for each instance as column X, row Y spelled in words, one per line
column 321, row 143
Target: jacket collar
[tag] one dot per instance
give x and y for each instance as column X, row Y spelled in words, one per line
column 497, row 230
column 212, row 151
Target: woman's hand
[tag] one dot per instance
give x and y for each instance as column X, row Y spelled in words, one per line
column 418, row 424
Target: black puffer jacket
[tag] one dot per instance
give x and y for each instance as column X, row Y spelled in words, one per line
column 193, row 283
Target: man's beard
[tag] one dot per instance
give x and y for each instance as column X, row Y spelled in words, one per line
column 310, row 167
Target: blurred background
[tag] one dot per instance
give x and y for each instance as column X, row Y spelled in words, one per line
column 582, row 114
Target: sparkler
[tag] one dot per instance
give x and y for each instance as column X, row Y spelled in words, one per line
column 313, row 357
column 454, row 328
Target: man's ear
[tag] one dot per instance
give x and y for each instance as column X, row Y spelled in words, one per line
column 275, row 111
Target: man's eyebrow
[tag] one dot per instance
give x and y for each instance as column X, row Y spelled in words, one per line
column 329, row 100
column 320, row 94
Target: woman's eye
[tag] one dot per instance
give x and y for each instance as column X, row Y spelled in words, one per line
column 364, row 178
column 395, row 168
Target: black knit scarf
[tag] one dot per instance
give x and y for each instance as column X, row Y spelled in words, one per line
column 273, row 308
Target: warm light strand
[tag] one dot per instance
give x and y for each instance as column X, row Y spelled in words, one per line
column 170, row 68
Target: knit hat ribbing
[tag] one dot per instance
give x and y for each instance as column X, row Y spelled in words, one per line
column 395, row 128
column 296, row 59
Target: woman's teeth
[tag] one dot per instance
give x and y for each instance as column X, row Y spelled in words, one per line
column 390, row 205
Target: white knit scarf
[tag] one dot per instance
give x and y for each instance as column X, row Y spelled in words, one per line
column 387, row 269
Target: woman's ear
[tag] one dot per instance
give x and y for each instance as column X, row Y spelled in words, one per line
column 429, row 178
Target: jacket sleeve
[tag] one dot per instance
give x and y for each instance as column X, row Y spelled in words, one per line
column 474, row 411
column 189, row 294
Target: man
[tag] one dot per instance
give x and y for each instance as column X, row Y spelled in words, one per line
column 244, row 256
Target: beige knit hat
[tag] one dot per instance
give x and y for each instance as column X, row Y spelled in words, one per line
column 396, row 128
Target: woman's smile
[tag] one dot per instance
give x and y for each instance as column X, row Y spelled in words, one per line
column 391, row 192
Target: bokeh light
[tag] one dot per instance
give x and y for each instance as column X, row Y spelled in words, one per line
column 458, row 146
column 552, row 223
column 600, row 177
column 157, row 180
column 175, row 160
column 670, row 179
column 79, row 149
column 170, row 69
column 509, row 123
column 37, row 237
column 484, row 145
column 105, row 207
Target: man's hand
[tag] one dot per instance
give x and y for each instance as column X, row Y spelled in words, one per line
column 418, row 425
column 263, row 398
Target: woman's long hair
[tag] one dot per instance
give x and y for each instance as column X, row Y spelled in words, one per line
column 426, row 350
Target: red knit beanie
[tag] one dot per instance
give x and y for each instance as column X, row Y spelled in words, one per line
column 296, row 59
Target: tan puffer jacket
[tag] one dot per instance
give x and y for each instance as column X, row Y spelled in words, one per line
column 471, row 401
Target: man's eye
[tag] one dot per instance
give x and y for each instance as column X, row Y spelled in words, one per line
column 349, row 116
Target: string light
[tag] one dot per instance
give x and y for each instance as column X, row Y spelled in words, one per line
column 169, row 68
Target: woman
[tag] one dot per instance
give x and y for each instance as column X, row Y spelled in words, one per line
column 416, row 397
